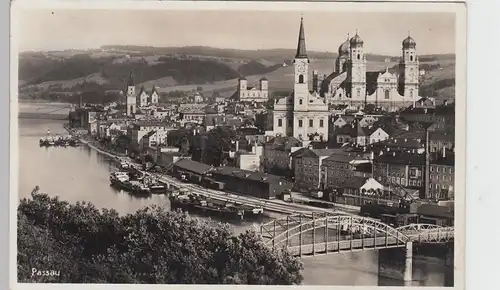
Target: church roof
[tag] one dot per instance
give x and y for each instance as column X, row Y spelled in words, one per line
column 409, row 42
column 356, row 40
column 301, row 46
column 344, row 47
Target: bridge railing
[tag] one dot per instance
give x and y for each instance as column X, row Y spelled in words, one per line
column 333, row 233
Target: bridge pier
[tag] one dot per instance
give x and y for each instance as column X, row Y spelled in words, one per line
column 408, row 271
column 449, row 272
column 397, row 264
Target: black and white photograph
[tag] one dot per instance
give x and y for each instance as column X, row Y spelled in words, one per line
column 241, row 143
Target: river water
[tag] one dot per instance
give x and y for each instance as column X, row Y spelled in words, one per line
column 81, row 174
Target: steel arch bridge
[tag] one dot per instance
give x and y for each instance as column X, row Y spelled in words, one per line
column 320, row 233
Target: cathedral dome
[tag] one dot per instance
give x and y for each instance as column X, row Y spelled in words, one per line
column 356, row 40
column 344, row 48
column 409, row 43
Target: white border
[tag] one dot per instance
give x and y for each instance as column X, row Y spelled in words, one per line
column 459, row 9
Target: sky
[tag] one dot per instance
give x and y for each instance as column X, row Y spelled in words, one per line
column 382, row 32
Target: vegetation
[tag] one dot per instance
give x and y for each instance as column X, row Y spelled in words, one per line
column 82, row 244
column 256, row 68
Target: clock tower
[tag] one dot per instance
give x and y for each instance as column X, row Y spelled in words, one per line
column 301, row 65
column 356, row 72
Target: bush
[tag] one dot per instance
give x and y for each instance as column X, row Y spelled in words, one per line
column 152, row 246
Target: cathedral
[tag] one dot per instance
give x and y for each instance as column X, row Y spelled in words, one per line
column 304, row 114
column 350, row 83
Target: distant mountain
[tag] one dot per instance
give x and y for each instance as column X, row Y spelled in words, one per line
column 187, row 68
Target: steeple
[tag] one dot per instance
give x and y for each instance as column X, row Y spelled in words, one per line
column 301, row 47
column 130, row 81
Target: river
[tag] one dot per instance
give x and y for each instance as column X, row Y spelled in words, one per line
column 81, row 174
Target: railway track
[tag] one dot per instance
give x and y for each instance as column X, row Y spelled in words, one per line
column 276, row 206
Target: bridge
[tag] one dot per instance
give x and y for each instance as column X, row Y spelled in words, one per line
column 320, row 234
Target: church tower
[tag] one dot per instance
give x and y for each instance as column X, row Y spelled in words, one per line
column 301, row 65
column 356, row 71
column 409, row 71
column 131, row 97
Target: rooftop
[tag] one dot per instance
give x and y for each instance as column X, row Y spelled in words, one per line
column 246, row 174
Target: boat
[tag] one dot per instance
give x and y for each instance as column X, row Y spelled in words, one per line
column 198, row 204
column 140, row 188
column 119, row 179
column 153, row 185
column 44, row 142
column 251, row 211
column 124, row 165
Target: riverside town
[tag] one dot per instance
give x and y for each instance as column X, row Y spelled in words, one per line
column 344, row 178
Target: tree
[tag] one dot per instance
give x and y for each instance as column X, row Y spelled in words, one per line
column 123, row 143
column 219, row 140
column 151, row 246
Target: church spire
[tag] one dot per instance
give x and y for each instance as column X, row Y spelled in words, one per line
column 130, row 81
column 301, row 47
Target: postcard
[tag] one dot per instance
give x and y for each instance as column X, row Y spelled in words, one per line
column 250, row 143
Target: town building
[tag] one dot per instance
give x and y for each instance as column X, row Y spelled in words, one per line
column 398, row 170
column 141, row 128
column 251, row 161
column 154, row 138
column 277, row 155
column 350, row 83
column 306, row 165
column 192, row 113
column 442, row 176
column 304, row 114
column 439, row 140
column 246, row 94
column 338, row 167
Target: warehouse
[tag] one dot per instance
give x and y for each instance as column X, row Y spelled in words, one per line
column 251, row 183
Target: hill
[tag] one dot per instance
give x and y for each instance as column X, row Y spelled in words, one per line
column 189, row 68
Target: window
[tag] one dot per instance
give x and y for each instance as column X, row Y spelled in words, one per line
column 411, row 57
column 280, row 122
column 301, row 79
column 300, row 123
column 432, row 168
column 311, row 123
column 300, row 101
column 387, row 94
column 411, row 93
column 290, row 123
column 321, row 123
column 358, row 92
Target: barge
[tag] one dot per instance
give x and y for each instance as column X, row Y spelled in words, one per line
column 192, row 202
